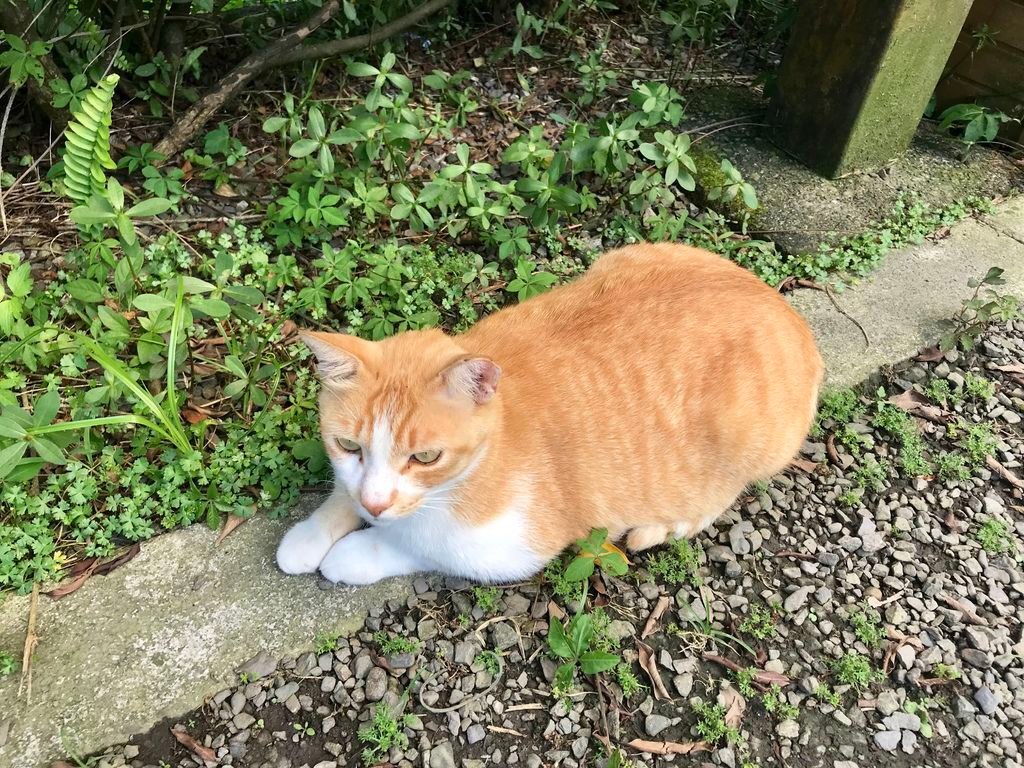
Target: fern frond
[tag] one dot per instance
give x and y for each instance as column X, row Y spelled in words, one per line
column 87, row 143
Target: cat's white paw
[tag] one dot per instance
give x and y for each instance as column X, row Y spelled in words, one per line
column 303, row 547
column 362, row 558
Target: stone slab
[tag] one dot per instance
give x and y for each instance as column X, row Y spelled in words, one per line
column 900, row 306
column 799, row 210
column 155, row 637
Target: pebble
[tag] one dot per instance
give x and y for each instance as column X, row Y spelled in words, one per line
column 788, row 729
column 376, row 684
column 475, row 734
column 655, row 724
column 987, row 700
column 888, row 740
column 442, row 756
column 797, row 600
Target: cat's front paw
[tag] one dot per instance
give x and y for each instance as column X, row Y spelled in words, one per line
column 363, row 558
column 303, row 547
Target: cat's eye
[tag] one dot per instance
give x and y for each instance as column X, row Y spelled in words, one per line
column 347, row 445
column 426, row 457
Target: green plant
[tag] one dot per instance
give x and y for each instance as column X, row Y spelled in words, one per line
column 711, row 723
column 325, row 642
column 490, row 661
column 839, row 407
column 855, row 670
column 22, row 59
column 303, row 729
column 974, row 122
column 946, row 672
column 977, row 441
column 382, row 734
column 920, row 708
column 871, row 474
column 676, row 564
column 978, row 388
column 87, row 143
column 978, row 311
column 827, row 695
column 734, row 187
column 760, row 622
column 390, row 644
column 775, row 704
column 629, row 683
column 573, row 643
column 994, row 536
column 745, row 682
column 486, row 598
column 528, row 281
column 596, row 552
column 658, row 104
column 8, row 664
column 850, row 497
column 952, row 466
column 939, row 391
column 900, row 425
column 867, row 626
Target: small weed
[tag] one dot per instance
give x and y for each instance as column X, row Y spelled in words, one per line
column 486, row 598
column 304, row 729
column 840, row 407
column 745, row 682
column 867, row 626
column 463, row 620
column 977, row 440
column 850, row 439
column 850, row 497
column 711, row 723
column 760, row 623
column 8, row 664
column 946, row 672
column 938, row 391
column 603, row 640
column 967, row 325
column 978, row 388
column 325, row 642
column 951, row 466
column 381, row 735
column 901, row 427
column 920, row 708
column 994, row 536
column 243, row 678
column 775, row 703
column 392, row 645
column 490, row 661
column 827, row 695
column 855, row 670
column 871, row 474
column 628, row 681
column 676, row 564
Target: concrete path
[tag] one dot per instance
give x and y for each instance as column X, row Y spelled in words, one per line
column 155, row 637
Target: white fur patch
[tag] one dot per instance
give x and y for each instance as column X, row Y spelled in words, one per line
column 380, row 480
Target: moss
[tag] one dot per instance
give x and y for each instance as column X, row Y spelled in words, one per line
column 709, row 175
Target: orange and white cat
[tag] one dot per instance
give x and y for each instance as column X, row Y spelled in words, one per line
column 641, row 398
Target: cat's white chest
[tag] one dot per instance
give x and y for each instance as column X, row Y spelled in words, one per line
column 498, row 550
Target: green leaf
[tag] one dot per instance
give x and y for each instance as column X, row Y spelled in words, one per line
column 233, row 364
column 317, row 127
column 48, row 451
column 245, row 294
column 151, row 302
column 11, row 429
column 46, row 408
column 581, row 633
column 84, row 290
column 11, row 456
column 218, row 309
column 195, row 285
column 361, row 69
column 19, row 280
column 303, row 148
column 580, row 568
column 87, row 143
column 594, row 662
column 274, row 124
column 154, row 206
column 557, row 640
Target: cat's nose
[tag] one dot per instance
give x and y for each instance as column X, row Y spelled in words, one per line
column 377, row 506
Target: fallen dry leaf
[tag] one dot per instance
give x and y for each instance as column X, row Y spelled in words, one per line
column 288, row 329
column 918, row 405
column 1011, row 368
column 930, row 355
column 555, row 610
column 968, row 613
column 193, row 415
column 224, row 190
column 669, row 747
column 1003, row 472
column 761, row 677
column 650, row 665
column 810, row 467
column 653, row 621
column 81, row 572
column 205, row 753
column 735, row 705
column 118, row 560
column 230, row 524
column 830, row 449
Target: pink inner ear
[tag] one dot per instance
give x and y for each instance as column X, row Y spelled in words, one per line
column 476, row 378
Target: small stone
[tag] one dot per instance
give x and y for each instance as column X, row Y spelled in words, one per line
column 902, row 721
column 442, row 756
column 976, row 658
column 131, row 752
column 909, row 742
column 326, row 764
column 683, row 684
column 260, row 665
column 737, row 539
column 987, row 700
column 720, row 554
column 788, row 729
column 503, row 636
column 887, row 703
column 242, row 720
column 475, row 734
column 287, row 690
column 376, row 684
column 888, row 740
column 655, row 724
column 797, row 600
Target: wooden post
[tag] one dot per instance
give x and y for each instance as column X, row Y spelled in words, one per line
column 856, row 78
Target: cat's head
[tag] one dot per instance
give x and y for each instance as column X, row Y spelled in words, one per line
column 404, row 420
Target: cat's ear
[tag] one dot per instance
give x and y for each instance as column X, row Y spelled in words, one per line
column 475, row 378
column 339, row 356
